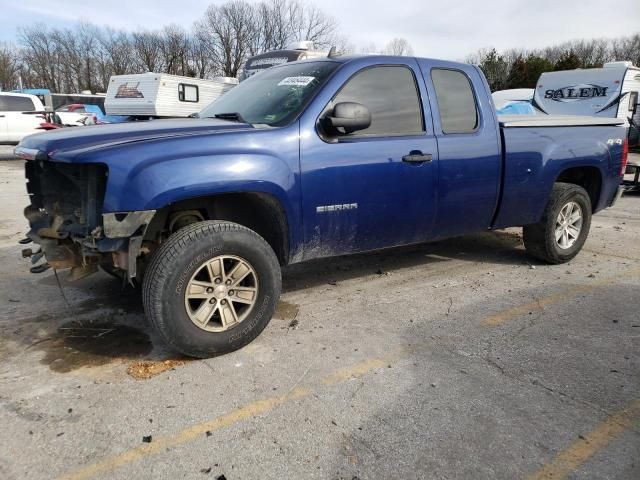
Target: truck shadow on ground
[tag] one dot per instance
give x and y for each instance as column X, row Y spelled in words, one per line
column 491, row 248
column 110, row 327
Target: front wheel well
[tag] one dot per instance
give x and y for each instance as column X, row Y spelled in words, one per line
column 261, row 212
column 589, row 178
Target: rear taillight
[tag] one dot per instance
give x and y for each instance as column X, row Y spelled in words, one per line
column 625, row 156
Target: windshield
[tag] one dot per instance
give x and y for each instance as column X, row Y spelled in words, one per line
column 275, row 96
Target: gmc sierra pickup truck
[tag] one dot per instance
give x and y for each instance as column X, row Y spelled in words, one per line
column 309, row 159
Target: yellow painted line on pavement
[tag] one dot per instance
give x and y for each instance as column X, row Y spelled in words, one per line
column 510, row 313
column 580, row 451
column 248, row 411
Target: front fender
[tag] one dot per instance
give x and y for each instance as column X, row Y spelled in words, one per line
column 150, row 175
column 153, row 186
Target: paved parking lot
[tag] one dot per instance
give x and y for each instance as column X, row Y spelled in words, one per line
column 458, row 359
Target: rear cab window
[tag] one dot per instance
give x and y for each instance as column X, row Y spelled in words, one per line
column 9, row 103
column 457, row 106
column 391, row 95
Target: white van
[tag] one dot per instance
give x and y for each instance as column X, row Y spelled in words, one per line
column 611, row 91
column 18, row 117
column 157, row 95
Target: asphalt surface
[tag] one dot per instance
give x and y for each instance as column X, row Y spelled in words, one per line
column 458, row 359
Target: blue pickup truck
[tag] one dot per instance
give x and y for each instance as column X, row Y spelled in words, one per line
column 306, row 160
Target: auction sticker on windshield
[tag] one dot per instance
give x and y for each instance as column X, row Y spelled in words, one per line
column 296, row 81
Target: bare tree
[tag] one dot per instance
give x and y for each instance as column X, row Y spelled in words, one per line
column 85, row 56
column 9, row 66
column 229, row 28
column 40, row 55
column 147, row 46
column 308, row 22
column 175, row 48
column 398, row 46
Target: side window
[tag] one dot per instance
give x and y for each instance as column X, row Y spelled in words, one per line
column 188, row 93
column 391, row 95
column 17, row 104
column 456, row 102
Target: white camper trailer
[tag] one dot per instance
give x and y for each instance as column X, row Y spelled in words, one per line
column 611, row 91
column 159, row 95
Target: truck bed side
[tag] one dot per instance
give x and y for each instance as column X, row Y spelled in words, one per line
column 535, row 157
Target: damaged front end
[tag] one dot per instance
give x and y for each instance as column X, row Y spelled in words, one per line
column 66, row 221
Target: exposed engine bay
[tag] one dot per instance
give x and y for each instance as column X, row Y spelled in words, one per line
column 65, row 220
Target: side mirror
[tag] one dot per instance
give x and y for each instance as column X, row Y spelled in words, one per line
column 349, row 116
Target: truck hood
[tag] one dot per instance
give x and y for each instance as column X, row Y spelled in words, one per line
column 57, row 143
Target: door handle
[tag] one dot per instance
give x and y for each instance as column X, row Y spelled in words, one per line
column 416, row 156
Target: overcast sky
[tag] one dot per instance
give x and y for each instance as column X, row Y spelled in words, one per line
column 443, row 29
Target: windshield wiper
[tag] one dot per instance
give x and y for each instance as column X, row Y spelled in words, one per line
column 233, row 116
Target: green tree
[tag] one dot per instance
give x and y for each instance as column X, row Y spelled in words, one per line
column 518, row 74
column 536, row 66
column 496, row 69
column 568, row 61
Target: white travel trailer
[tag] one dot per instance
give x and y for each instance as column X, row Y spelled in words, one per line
column 157, row 95
column 611, row 91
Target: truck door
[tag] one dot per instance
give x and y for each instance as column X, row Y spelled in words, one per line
column 469, row 149
column 375, row 187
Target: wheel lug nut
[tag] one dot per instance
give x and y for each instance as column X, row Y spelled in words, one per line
column 217, row 280
column 209, row 290
column 223, row 302
column 212, row 301
column 231, row 293
column 228, row 282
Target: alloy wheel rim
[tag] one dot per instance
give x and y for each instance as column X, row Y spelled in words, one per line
column 221, row 293
column 568, row 225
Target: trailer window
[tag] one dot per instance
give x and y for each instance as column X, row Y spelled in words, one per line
column 456, row 101
column 188, row 93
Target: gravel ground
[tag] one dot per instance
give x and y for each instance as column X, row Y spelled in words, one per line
column 457, row 359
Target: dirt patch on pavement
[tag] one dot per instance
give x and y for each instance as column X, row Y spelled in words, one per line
column 149, row 369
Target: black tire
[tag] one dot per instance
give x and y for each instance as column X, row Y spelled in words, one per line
column 539, row 238
column 177, row 260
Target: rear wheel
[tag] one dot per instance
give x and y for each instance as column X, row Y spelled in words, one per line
column 211, row 288
column 564, row 227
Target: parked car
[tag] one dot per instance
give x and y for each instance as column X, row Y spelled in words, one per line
column 307, row 160
column 20, row 115
column 73, row 114
column 98, row 117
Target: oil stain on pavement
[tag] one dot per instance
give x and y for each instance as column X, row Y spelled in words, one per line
column 78, row 344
